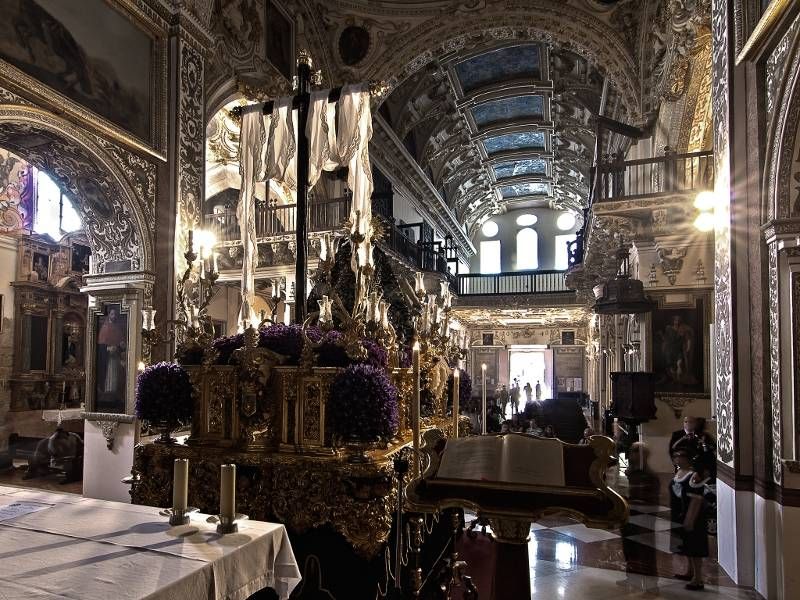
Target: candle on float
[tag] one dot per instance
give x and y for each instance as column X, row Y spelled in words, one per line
column 216, row 263
column 180, row 485
column 63, row 386
column 419, row 284
column 483, row 403
column 456, row 407
column 227, row 491
column 415, row 407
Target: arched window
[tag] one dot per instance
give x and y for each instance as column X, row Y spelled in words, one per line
column 490, row 256
column 55, row 215
column 527, row 249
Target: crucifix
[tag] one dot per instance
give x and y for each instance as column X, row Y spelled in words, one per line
column 301, row 102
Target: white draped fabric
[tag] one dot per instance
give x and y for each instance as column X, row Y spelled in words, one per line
column 348, row 147
column 250, row 169
column 268, row 151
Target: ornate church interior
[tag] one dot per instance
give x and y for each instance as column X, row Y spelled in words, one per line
column 399, row 299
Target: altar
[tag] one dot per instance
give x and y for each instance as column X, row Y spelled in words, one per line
column 67, row 546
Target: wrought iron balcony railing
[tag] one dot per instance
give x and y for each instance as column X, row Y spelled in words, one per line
column 278, row 222
column 513, row 282
column 651, row 177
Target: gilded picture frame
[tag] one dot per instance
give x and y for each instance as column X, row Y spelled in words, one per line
column 19, row 79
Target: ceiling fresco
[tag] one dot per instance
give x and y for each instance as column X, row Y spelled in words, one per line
column 508, row 109
column 519, row 190
column 515, row 168
column 510, row 123
column 516, row 62
column 520, row 140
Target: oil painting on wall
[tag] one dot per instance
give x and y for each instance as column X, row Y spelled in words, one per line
column 678, row 349
column 87, row 51
column 111, row 360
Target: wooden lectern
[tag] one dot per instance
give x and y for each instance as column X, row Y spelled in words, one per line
column 512, row 480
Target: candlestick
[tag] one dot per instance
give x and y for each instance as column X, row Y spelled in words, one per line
column 227, row 492
column 456, row 380
column 415, row 407
column 180, row 485
column 190, row 241
column 483, row 403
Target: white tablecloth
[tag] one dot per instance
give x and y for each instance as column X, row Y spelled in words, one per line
column 84, row 549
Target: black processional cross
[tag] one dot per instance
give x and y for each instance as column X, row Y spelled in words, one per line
column 300, row 102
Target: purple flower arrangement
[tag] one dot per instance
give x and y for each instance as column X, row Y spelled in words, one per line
column 164, row 394
column 362, row 404
column 288, row 341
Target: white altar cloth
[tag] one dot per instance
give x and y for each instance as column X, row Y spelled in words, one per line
column 87, row 549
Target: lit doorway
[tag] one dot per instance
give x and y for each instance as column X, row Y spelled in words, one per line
column 530, row 364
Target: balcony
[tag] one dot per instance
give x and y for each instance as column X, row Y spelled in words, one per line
column 279, row 223
column 668, row 175
column 511, row 283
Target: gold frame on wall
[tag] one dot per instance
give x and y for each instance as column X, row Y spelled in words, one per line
column 138, row 13
column 660, row 298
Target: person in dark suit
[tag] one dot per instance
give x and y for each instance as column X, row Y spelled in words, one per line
column 692, row 438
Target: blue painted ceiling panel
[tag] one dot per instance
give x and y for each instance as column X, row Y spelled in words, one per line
column 518, row 190
column 528, row 166
column 509, row 109
column 515, row 62
column 521, row 140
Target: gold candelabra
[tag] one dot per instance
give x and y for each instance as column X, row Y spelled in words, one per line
column 193, row 329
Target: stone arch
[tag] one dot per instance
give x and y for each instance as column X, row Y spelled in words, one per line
column 118, row 224
column 781, row 184
column 548, row 22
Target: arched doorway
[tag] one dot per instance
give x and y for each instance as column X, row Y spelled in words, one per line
column 113, row 194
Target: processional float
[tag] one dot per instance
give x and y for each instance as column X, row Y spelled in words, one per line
column 263, row 400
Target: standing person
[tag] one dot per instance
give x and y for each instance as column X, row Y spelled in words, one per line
column 528, row 392
column 538, row 390
column 515, row 398
column 692, row 438
column 504, row 400
column 686, row 507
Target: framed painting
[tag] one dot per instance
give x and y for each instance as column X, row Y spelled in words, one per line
column 41, row 266
column 111, row 357
column 105, row 61
column 678, row 335
column 280, row 43
column 487, row 339
column 80, row 258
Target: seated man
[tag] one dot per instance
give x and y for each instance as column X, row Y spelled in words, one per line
column 62, row 449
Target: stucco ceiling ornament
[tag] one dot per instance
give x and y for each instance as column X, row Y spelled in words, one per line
column 671, row 262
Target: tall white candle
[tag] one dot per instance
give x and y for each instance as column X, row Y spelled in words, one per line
column 456, row 381
column 415, row 407
column 483, row 403
column 227, row 491
column 180, row 485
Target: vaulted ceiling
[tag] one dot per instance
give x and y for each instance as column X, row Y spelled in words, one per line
column 503, row 126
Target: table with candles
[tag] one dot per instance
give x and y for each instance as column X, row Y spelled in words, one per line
column 58, row 546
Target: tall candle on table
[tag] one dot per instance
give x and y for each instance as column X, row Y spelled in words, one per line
column 415, row 407
column 180, row 485
column 227, row 491
column 483, row 403
column 456, row 380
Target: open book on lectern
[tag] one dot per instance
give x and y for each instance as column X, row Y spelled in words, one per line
column 511, row 459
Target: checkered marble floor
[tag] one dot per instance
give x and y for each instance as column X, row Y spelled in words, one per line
column 569, row 560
